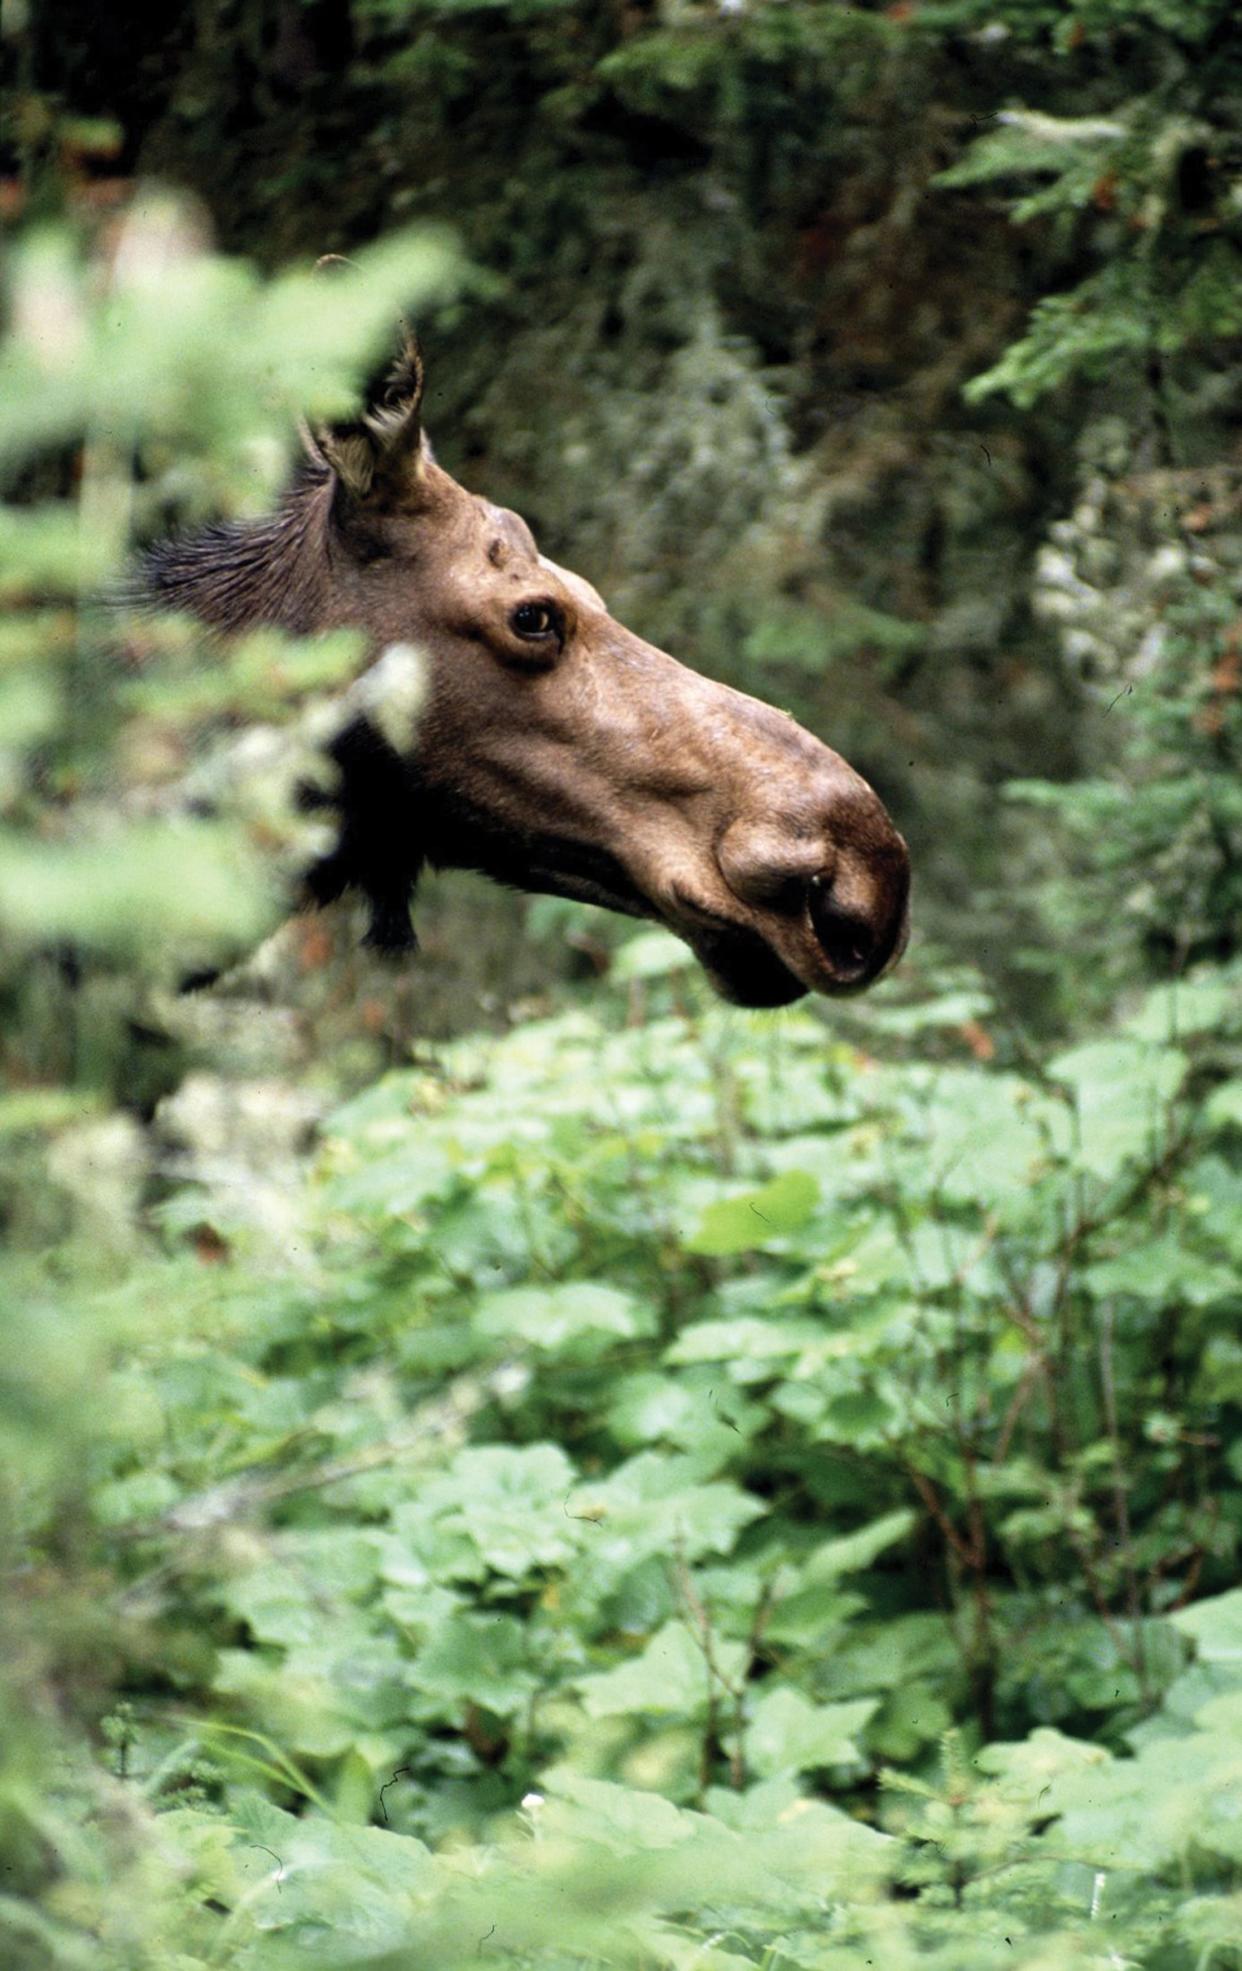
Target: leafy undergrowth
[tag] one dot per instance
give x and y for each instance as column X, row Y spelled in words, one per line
column 699, row 1492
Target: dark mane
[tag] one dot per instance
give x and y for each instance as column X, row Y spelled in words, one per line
column 245, row 572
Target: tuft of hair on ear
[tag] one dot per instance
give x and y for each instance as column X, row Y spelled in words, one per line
column 380, row 453
column 402, row 396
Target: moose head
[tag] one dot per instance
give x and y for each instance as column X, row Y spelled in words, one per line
column 552, row 749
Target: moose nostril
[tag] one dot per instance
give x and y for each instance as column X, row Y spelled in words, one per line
column 847, row 940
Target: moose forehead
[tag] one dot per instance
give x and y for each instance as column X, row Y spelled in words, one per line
column 512, row 546
column 508, row 537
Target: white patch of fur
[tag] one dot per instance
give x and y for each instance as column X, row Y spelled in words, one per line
column 391, row 694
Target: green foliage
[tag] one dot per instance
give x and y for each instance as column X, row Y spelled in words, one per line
column 191, row 347
column 655, row 1488
column 173, row 377
column 665, row 1433
column 1152, row 624
column 1147, row 190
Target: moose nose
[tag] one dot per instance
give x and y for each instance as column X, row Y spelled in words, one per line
column 858, row 943
column 832, row 897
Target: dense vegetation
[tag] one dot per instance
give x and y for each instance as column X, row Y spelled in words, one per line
column 624, row 1482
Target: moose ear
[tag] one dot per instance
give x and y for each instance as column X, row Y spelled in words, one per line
column 379, row 456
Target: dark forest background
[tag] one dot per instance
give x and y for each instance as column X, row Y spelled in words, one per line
column 508, row 1441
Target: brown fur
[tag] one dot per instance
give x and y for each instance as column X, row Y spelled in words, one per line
column 582, row 761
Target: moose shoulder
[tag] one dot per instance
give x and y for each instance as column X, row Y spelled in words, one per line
column 553, row 749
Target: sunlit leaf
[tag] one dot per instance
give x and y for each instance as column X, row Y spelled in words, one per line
column 753, row 1218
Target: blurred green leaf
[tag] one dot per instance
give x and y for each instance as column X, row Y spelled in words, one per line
column 752, row 1218
column 1123, row 1089
column 194, row 882
column 787, row 1733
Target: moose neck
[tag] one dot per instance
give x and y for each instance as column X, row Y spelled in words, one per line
column 252, row 572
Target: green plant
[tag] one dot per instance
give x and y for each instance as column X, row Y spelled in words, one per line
column 653, row 1487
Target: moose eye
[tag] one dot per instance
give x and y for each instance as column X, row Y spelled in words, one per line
column 536, row 620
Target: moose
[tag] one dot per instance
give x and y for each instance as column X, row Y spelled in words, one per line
column 553, row 749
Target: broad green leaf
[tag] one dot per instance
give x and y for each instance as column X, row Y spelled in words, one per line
column 1177, row 1794
column 789, row 1734
column 754, row 1218
column 477, row 1659
column 949, row 1009
column 142, row 1495
column 1029, row 1765
column 577, row 1317
column 400, row 1181
column 497, row 1507
column 744, row 1341
column 1165, row 1272
column 315, row 1701
column 1122, row 1089
column 670, row 1678
column 912, row 1716
column 851, row 1551
column 683, row 1411
column 167, row 881
column 618, row 1816
column 651, row 1505
column 984, row 1139
column 1215, row 1627
column 1184, row 1007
